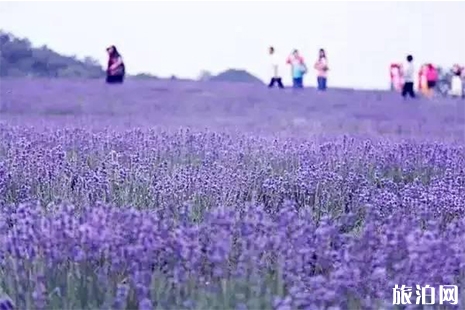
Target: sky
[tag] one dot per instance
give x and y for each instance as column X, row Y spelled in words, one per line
column 183, row 38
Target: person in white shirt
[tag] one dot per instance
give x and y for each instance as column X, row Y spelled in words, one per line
column 456, row 81
column 275, row 76
column 408, row 74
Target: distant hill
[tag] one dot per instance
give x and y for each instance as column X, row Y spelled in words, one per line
column 234, row 75
column 19, row 59
column 144, row 76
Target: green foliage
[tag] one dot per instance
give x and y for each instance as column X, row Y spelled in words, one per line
column 19, row 59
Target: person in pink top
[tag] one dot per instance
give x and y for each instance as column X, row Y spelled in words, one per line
column 431, row 78
column 396, row 78
column 321, row 65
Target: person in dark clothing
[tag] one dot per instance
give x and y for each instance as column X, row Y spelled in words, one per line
column 276, row 81
column 408, row 90
column 408, row 73
column 115, row 69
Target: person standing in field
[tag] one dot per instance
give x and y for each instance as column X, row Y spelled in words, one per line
column 298, row 69
column 422, row 81
column 116, row 68
column 431, row 78
column 275, row 76
column 456, row 81
column 321, row 65
column 408, row 73
column 396, row 78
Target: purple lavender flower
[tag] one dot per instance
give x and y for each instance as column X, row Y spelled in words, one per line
column 183, row 196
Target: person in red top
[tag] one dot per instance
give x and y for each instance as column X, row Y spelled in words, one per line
column 431, row 78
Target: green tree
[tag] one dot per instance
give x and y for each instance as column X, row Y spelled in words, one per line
column 19, row 59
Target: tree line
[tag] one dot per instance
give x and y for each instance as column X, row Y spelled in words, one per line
column 18, row 58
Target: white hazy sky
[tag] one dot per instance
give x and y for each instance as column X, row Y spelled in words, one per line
column 185, row 37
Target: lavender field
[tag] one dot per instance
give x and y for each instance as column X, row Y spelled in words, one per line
column 183, row 195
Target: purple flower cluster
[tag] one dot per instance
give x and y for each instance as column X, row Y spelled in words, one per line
column 138, row 217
